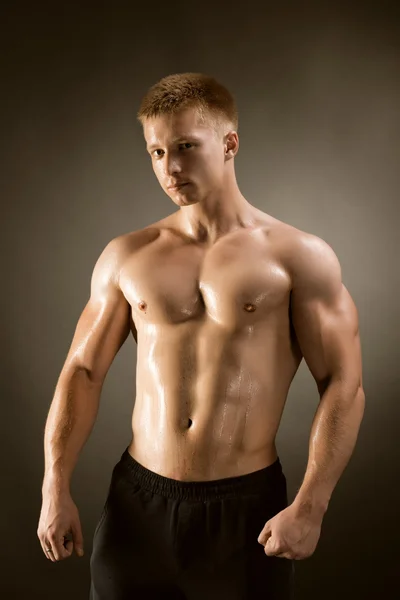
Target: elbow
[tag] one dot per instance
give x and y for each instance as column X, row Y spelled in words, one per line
column 350, row 388
column 360, row 397
column 81, row 371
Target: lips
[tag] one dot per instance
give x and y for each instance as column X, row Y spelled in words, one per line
column 176, row 186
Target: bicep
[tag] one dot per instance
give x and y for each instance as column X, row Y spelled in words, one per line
column 328, row 337
column 325, row 319
column 104, row 323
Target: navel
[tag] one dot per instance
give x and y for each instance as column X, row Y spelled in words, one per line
column 249, row 307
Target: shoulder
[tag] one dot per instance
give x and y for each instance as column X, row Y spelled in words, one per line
column 126, row 243
column 306, row 257
column 316, row 275
column 115, row 252
column 310, row 261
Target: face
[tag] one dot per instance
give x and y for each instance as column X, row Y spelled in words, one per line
column 183, row 150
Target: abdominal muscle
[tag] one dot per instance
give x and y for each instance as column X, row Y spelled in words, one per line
column 209, row 402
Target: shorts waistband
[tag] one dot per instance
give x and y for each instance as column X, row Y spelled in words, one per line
column 266, row 479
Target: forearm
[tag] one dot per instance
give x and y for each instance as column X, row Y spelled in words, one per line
column 333, row 437
column 70, row 420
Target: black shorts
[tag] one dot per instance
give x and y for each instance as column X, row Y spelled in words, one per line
column 163, row 539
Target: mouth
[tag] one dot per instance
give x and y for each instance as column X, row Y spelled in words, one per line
column 175, row 188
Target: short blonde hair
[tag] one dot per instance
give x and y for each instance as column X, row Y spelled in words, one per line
column 214, row 104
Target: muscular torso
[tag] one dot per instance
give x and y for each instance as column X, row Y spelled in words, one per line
column 216, row 350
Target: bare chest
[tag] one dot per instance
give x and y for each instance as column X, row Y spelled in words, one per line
column 237, row 281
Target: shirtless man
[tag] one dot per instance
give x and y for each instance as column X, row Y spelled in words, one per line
column 223, row 301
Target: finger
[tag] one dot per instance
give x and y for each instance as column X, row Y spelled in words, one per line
column 285, row 555
column 264, row 535
column 77, row 539
column 272, row 548
column 69, row 546
column 57, row 546
column 49, row 553
column 269, row 547
column 44, row 550
column 271, row 551
column 53, row 554
column 269, row 542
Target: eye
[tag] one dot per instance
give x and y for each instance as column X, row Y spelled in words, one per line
column 187, row 144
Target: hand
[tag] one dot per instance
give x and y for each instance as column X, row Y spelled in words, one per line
column 59, row 522
column 291, row 534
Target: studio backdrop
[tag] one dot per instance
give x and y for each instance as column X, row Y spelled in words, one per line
column 317, row 88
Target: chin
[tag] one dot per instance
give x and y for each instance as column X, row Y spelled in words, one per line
column 183, row 199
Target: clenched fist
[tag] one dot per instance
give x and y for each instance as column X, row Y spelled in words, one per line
column 59, row 528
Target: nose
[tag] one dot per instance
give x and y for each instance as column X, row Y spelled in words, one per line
column 172, row 164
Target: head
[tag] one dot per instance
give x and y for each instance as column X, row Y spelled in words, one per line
column 190, row 124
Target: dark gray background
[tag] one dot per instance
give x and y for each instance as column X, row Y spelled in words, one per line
column 318, row 93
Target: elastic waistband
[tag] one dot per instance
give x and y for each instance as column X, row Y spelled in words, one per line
column 268, row 478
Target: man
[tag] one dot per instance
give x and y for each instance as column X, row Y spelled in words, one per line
column 224, row 301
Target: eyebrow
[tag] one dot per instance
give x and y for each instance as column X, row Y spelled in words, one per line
column 179, row 139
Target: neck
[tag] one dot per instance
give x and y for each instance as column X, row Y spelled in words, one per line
column 219, row 213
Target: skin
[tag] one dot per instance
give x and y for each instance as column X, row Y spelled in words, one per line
column 223, row 301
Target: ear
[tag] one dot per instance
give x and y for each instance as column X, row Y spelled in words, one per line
column 231, row 144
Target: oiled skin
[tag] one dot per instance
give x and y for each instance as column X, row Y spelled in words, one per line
column 216, row 350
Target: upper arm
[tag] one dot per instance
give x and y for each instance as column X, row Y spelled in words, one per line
column 105, row 321
column 324, row 315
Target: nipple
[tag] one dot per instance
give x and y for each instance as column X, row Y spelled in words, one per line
column 249, row 307
column 142, row 305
